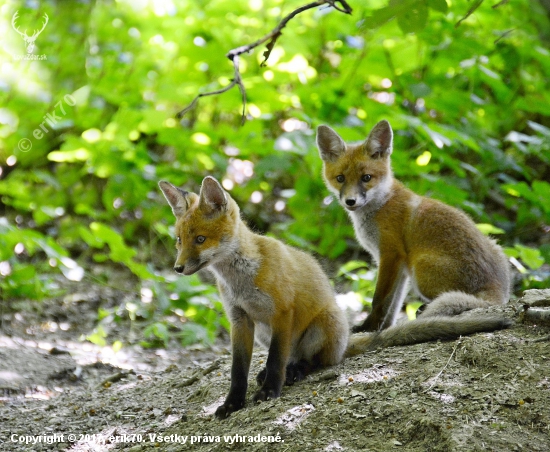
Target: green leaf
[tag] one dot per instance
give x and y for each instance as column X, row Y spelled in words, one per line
column 438, row 5
column 420, row 89
column 530, row 256
column 379, row 17
column 76, row 155
column 542, row 190
column 411, row 309
column 413, row 18
column 351, row 266
column 119, row 252
column 192, row 333
column 158, row 330
column 488, row 229
column 98, row 336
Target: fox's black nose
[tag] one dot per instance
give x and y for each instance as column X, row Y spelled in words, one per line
column 178, row 268
column 350, row 202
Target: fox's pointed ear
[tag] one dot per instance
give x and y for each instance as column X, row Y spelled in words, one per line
column 212, row 198
column 176, row 197
column 330, row 144
column 380, row 140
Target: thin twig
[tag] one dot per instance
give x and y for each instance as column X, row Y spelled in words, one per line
column 239, row 82
column 198, row 375
column 272, row 37
column 503, row 2
column 472, row 9
column 115, row 377
column 346, row 9
column 444, row 367
column 504, row 35
column 211, row 93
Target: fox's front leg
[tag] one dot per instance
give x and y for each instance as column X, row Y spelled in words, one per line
column 277, row 357
column 391, row 288
column 242, row 341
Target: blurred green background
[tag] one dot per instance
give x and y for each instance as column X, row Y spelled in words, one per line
column 88, row 127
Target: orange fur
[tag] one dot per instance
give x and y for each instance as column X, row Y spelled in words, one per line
column 414, row 239
column 270, row 290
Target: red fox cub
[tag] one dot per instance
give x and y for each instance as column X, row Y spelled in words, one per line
column 434, row 247
column 281, row 296
column 269, row 290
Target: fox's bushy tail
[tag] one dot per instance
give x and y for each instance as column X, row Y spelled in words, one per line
column 425, row 330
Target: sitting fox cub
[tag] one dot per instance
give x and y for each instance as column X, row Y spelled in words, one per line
column 436, row 248
column 270, row 289
column 281, row 295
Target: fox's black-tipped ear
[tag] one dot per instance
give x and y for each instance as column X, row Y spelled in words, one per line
column 176, row 197
column 212, row 197
column 330, row 144
column 380, row 140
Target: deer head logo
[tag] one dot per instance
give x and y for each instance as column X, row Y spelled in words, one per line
column 29, row 40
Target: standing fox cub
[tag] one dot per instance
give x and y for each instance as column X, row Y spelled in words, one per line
column 269, row 290
column 436, row 248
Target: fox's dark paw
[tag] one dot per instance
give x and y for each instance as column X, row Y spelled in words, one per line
column 260, row 378
column 227, row 408
column 370, row 324
column 266, row 394
column 294, row 373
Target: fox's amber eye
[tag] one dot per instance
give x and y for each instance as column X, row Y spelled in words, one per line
column 366, row 177
column 340, row 178
column 200, row 239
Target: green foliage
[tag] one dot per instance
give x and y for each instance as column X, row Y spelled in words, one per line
column 159, row 331
column 98, row 336
column 99, row 235
column 25, row 280
column 523, row 256
column 194, row 309
column 464, row 84
column 361, row 278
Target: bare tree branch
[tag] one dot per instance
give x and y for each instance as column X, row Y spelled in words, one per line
column 472, row 9
column 210, row 93
column 503, row 2
column 272, row 37
column 504, row 35
column 237, row 80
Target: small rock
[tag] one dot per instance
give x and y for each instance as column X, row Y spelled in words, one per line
column 536, row 297
column 59, row 351
column 539, row 316
column 355, row 393
column 171, row 368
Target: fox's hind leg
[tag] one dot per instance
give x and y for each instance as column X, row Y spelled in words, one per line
column 278, row 356
column 322, row 344
column 294, row 372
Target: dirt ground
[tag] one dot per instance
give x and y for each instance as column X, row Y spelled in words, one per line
column 57, row 392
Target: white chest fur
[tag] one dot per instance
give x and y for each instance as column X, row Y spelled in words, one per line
column 367, row 231
column 236, row 283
